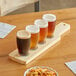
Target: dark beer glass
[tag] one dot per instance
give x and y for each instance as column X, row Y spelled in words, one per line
column 23, row 42
column 51, row 19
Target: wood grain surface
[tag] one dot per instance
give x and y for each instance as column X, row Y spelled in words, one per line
column 62, row 52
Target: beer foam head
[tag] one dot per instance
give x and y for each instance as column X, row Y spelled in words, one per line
column 32, row 29
column 49, row 17
column 23, row 34
column 41, row 23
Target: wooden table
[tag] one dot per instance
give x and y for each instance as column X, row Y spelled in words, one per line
column 55, row 57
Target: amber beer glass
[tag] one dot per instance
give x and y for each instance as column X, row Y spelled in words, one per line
column 43, row 25
column 51, row 19
column 34, row 30
column 23, row 42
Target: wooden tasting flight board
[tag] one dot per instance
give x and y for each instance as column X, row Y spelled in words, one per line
column 60, row 29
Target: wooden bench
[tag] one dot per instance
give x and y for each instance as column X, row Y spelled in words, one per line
column 7, row 6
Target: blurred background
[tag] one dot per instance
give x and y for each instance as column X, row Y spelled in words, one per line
column 42, row 5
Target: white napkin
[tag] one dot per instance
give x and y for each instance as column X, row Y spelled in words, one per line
column 72, row 66
column 5, row 29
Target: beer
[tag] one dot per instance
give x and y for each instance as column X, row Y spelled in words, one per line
column 51, row 28
column 43, row 25
column 43, row 34
column 23, row 42
column 34, row 30
column 51, row 19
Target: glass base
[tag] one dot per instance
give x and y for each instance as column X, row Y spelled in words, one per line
column 34, row 48
column 50, row 36
column 24, row 54
column 42, row 42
